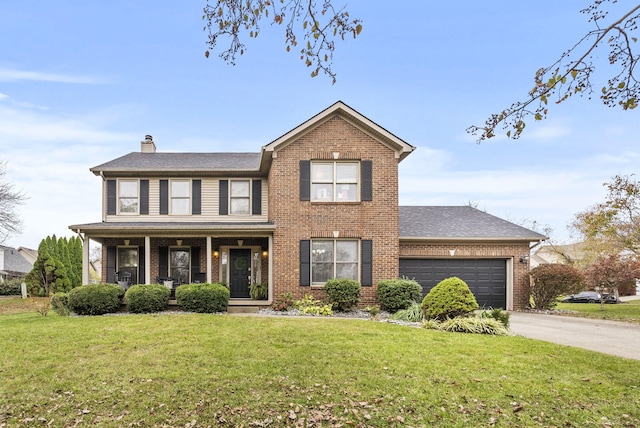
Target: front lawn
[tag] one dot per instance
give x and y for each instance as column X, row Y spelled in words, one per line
column 625, row 311
column 222, row 370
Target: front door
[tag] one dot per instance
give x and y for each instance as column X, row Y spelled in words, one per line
column 240, row 273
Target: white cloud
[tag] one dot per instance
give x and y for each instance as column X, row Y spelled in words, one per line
column 3, row 96
column 11, row 75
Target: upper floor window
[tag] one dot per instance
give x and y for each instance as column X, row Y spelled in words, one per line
column 240, row 196
column 128, row 197
column 334, row 181
column 180, row 196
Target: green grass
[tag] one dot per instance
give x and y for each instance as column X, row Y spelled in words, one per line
column 625, row 311
column 213, row 370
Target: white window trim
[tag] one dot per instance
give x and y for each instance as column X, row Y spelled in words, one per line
column 334, row 181
column 130, row 180
column 358, row 261
column 188, row 197
column 231, row 197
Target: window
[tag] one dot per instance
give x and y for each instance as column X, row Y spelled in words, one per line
column 240, row 196
column 179, row 264
column 180, row 196
column 333, row 259
column 128, row 196
column 334, row 181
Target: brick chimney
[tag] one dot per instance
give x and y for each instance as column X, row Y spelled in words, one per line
column 147, row 146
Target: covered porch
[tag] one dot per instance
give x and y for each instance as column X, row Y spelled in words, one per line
column 237, row 256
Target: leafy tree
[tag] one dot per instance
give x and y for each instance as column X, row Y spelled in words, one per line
column 571, row 74
column 319, row 26
column 610, row 273
column 9, row 200
column 58, row 267
column 549, row 281
column 613, row 226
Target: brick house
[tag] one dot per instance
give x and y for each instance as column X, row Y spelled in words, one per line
column 319, row 202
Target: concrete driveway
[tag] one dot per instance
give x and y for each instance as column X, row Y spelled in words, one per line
column 609, row 337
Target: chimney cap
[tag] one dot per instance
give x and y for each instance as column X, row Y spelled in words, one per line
column 148, row 137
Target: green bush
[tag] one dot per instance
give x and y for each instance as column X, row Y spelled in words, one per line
column 342, row 294
column 498, row 315
column 283, row 303
column 259, row 291
column 412, row 314
column 11, row 287
column 450, row 298
column 60, row 304
column 203, row 298
column 310, row 306
column 147, row 298
column 95, row 299
column 396, row 294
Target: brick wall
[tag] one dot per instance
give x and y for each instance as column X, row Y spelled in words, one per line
column 297, row 220
column 513, row 251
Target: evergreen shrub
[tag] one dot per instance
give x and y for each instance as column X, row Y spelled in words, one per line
column 147, row 298
column 343, row 294
column 95, row 299
column 450, row 298
column 203, row 298
column 396, row 294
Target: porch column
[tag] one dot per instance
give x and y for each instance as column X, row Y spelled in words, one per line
column 85, row 258
column 270, row 268
column 208, row 259
column 147, row 260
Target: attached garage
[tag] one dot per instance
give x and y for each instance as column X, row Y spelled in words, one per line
column 487, row 278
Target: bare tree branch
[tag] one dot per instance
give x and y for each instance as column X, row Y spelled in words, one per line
column 9, row 200
column 567, row 77
column 319, row 27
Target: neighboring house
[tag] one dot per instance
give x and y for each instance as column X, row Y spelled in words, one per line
column 29, row 254
column 13, row 264
column 319, row 202
column 563, row 254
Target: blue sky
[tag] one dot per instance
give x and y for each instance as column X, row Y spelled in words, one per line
column 82, row 82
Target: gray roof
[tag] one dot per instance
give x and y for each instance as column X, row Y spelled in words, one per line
column 14, row 262
column 460, row 222
column 161, row 161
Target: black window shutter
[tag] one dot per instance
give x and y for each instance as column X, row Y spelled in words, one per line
column 196, row 189
column 366, row 254
column 164, row 197
column 163, row 262
column 141, row 277
column 195, row 263
column 305, row 180
column 256, row 200
column 305, row 263
column 111, row 197
column 366, row 181
column 144, row 197
column 111, row 265
column 223, row 199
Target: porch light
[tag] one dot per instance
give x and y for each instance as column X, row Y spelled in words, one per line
column 216, row 253
column 524, row 259
column 265, row 254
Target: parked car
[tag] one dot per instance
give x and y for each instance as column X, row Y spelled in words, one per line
column 590, row 297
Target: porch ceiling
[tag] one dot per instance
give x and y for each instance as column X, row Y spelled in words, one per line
column 171, row 229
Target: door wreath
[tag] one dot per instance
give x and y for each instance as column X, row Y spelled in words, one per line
column 240, row 264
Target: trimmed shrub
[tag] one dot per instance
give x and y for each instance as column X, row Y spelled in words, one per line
column 450, row 298
column 11, row 287
column 95, row 299
column 147, row 298
column 412, row 314
column 397, row 294
column 203, row 298
column 60, row 304
column 343, row 294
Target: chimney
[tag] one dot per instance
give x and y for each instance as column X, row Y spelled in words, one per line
column 147, row 146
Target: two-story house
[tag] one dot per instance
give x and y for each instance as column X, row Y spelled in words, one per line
column 319, row 202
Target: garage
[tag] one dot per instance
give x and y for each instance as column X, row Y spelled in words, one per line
column 487, row 278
